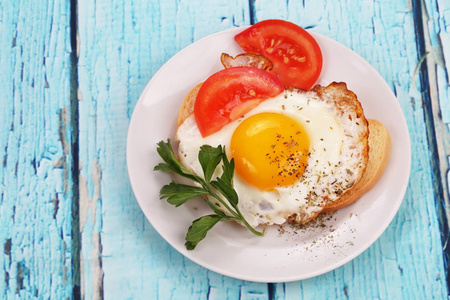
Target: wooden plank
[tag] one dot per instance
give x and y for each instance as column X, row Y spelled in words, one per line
column 36, row 150
column 121, row 46
column 406, row 262
column 437, row 46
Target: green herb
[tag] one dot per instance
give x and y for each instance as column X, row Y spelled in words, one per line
column 178, row 193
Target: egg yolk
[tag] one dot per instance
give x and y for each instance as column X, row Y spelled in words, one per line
column 270, row 150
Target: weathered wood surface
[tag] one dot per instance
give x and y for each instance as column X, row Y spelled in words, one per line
column 67, row 236
column 36, row 142
column 436, row 44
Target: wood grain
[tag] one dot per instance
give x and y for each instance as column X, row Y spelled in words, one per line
column 436, row 48
column 36, row 150
column 67, row 209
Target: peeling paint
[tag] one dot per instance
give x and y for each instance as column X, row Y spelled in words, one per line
column 7, row 248
column 7, row 279
column 87, row 204
column 150, row 44
column 22, row 272
column 64, row 119
column 98, row 275
column 437, row 115
column 55, row 206
column 35, row 145
column 91, row 261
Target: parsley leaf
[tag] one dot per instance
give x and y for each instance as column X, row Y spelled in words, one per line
column 197, row 231
column 226, row 190
column 209, row 157
column 171, row 163
column 228, row 170
column 176, row 193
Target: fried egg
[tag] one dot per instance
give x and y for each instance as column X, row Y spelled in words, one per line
column 293, row 154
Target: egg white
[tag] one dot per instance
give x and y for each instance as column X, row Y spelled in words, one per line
column 329, row 149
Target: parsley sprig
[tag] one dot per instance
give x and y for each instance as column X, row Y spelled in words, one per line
column 220, row 188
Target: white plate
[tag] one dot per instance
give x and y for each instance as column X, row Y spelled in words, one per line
column 278, row 256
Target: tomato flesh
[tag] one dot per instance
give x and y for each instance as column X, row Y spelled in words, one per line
column 295, row 54
column 230, row 93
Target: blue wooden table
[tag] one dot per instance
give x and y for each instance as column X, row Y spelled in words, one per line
column 71, row 73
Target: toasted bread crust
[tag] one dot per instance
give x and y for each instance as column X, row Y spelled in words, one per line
column 380, row 146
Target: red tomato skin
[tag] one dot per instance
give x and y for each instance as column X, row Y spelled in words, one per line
column 230, row 93
column 262, row 38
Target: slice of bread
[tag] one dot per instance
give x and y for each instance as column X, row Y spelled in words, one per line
column 379, row 147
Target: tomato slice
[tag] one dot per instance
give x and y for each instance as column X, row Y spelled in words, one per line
column 295, row 54
column 230, row 93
